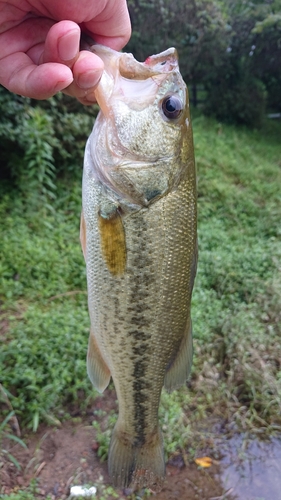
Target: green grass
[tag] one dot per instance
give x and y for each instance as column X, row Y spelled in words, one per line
column 236, row 306
column 44, row 303
column 27, row 494
column 236, row 303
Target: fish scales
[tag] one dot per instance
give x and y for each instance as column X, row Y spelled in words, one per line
column 139, row 311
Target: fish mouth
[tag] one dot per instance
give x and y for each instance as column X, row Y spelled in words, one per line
column 165, row 62
column 127, row 87
column 146, row 76
column 129, row 67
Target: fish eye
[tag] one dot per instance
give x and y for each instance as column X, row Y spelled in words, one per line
column 172, row 107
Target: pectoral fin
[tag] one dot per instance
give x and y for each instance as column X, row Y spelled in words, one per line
column 97, row 369
column 179, row 370
column 113, row 242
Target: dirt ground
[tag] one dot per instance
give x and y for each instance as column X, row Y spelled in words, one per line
column 61, row 457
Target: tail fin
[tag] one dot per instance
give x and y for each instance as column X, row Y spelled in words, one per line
column 136, row 466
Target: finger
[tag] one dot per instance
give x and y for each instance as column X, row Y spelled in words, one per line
column 88, row 99
column 108, row 19
column 23, row 37
column 62, row 43
column 112, row 26
column 20, row 75
column 87, row 71
column 21, row 47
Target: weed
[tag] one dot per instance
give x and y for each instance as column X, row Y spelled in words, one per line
column 31, row 493
column 236, row 303
column 235, row 313
column 103, row 434
column 6, row 436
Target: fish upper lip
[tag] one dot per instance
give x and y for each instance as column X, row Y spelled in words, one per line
column 164, row 62
column 129, row 67
column 154, row 65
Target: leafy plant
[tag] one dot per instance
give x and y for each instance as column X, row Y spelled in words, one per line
column 103, row 434
column 30, row 493
column 236, row 311
column 6, row 436
column 39, row 142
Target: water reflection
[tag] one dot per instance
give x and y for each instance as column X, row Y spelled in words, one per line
column 252, row 469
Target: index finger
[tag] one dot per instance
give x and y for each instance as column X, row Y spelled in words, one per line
column 112, row 26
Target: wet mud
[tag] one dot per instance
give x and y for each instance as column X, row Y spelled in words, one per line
column 59, row 458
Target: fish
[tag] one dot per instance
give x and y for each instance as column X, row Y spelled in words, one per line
column 139, row 239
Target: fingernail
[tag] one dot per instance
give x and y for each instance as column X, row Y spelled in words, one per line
column 63, row 84
column 68, row 45
column 88, row 79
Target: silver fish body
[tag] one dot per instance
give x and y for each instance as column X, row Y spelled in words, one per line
column 138, row 233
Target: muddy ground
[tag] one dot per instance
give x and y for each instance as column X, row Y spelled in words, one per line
column 61, row 457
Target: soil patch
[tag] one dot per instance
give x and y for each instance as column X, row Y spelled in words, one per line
column 61, row 457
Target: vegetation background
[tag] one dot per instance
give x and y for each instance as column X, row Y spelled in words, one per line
column 230, row 54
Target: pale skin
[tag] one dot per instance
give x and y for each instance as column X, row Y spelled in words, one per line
column 39, row 44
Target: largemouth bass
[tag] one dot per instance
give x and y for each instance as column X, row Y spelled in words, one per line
column 138, row 234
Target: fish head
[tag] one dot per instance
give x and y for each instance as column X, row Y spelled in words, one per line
column 143, row 125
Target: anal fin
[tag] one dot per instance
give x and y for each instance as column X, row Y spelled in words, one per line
column 97, row 369
column 179, row 370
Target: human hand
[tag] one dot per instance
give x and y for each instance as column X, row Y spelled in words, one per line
column 39, row 44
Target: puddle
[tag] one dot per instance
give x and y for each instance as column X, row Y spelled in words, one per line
column 251, row 469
